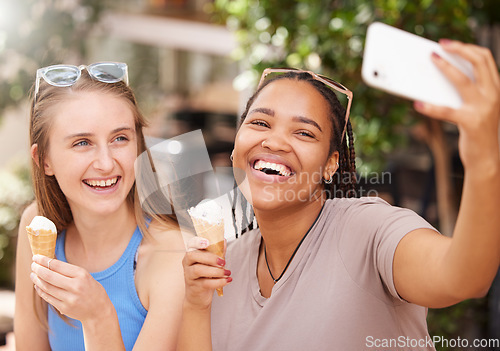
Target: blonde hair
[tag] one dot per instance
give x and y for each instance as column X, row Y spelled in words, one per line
column 51, row 201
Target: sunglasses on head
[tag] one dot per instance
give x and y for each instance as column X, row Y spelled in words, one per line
column 67, row 75
column 270, row 73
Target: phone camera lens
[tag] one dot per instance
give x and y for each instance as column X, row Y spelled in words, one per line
column 375, row 73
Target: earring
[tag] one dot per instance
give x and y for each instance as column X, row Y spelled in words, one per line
column 329, row 181
column 337, row 164
column 231, row 157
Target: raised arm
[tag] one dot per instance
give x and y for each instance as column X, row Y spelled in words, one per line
column 430, row 269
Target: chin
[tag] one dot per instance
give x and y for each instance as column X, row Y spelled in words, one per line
column 268, row 197
column 106, row 208
column 272, row 197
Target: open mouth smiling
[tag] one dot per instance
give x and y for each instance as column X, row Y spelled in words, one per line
column 272, row 168
column 101, row 184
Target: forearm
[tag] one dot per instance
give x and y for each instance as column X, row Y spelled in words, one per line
column 103, row 334
column 195, row 330
column 474, row 254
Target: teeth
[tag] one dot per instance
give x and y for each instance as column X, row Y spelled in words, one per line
column 282, row 169
column 102, row 183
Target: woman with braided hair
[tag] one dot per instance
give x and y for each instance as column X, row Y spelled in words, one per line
column 326, row 270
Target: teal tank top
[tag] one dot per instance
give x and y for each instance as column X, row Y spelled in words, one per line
column 118, row 281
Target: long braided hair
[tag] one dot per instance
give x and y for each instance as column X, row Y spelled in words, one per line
column 344, row 179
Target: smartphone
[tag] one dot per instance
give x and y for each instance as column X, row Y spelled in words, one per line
column 400, row 63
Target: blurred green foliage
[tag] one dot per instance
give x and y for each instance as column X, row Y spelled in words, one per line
column 37, row 33
column 467, row 319
column 15, row 193
column 328, row 37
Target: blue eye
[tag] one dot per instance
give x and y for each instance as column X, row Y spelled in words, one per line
column 82, row 143
column 121, row 138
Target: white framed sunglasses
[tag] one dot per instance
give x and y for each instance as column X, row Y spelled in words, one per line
column 269, row 73
column 67, row 75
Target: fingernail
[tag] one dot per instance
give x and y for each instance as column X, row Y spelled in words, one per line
column 37, row 257
column 227, row 272
column 229, row 279
column 204, row 243
column 444, row 41
column 436, row 56
column 221, row 261
column 419, row 105
column 32, row 277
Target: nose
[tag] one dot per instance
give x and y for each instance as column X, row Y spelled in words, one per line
column 276, row 141
column 104, row 160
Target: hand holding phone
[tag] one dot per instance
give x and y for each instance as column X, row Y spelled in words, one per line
column 400, row 63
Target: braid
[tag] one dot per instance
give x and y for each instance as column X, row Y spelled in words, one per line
column 351, row 167
column 344, row 181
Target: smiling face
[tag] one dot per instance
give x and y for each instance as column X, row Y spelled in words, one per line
column 283, row 146
column 92, row 149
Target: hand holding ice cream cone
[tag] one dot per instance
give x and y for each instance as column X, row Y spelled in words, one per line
column 209, row 224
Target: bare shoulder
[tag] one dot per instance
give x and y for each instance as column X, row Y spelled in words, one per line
column 166, row 237
column 23, row 248
column 161, row 245
column 159, row 263
column 28, row 214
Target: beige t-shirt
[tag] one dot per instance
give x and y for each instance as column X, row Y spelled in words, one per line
column 337, row 294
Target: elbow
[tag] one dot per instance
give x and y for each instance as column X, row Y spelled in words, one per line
column 457, row 294
column 480, row 289
column 471, row 292
column 480, row 293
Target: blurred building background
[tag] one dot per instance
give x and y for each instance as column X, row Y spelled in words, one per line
column 193, row 64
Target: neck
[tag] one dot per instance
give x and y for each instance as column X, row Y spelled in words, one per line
column 92, row 237
column 282, row 231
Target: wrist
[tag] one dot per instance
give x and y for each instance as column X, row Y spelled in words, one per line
column 481, row 154
column 482, row 174
column 188, row 306
column 105, row 317
column 485, row 167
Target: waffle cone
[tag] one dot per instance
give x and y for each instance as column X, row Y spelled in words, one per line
column 214, row 233
column 43, row 242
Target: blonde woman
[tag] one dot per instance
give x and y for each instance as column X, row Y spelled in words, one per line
column 117, row 280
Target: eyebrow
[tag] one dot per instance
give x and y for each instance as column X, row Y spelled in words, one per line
column 306, row 120
column 264, row 110
column 86, row 135
column 300, row 119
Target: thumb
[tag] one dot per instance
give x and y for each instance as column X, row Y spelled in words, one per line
column 197, row 243
column 442, row 113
